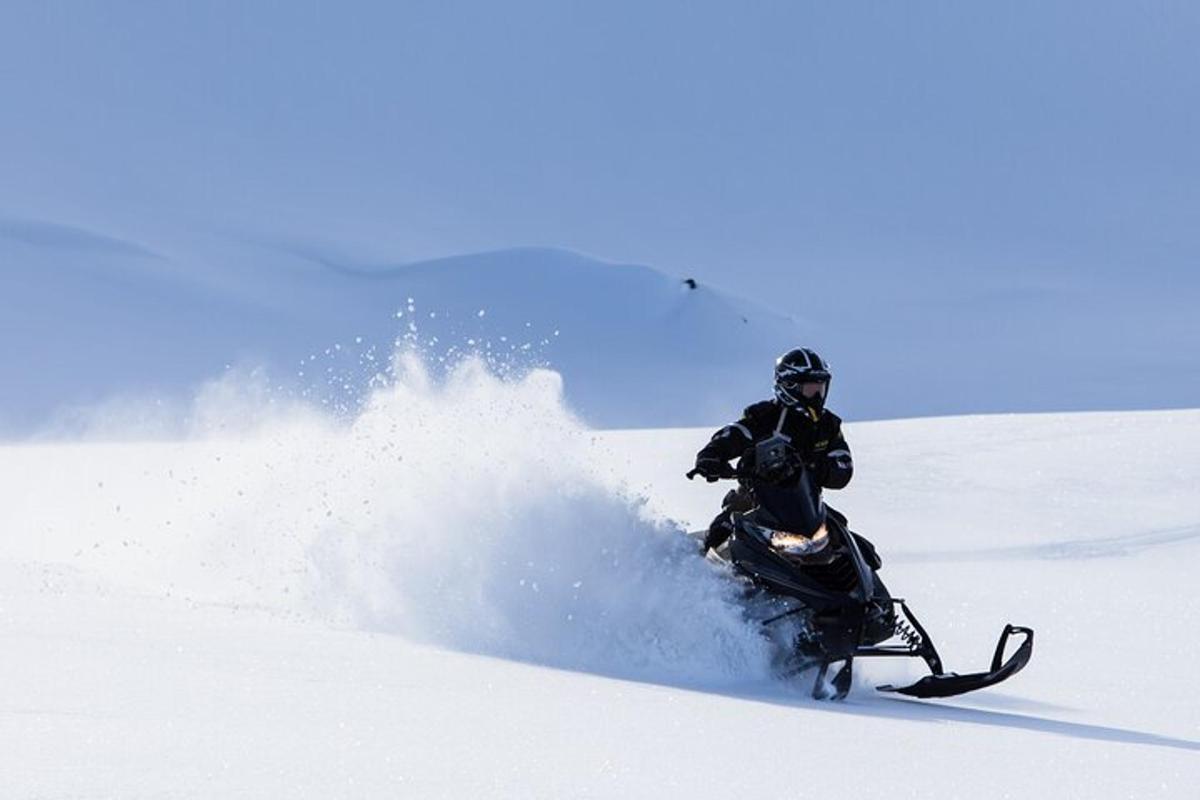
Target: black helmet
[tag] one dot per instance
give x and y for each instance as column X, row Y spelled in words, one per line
column 795, row 368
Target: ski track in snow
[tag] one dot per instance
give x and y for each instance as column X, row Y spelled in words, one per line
column 1106, row 547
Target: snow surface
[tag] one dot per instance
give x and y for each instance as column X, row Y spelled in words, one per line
column 464, row 591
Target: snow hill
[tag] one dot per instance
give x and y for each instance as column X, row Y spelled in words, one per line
column 461, row 590
column 89, row 317
column 99, row 317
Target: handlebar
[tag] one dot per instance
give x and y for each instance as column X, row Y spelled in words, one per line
column 744, row 469
column 728, row 473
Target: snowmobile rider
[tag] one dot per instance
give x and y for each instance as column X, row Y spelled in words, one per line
column 798, row 412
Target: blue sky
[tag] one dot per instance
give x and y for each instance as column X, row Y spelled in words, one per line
column 767, row 137
column 830, row 159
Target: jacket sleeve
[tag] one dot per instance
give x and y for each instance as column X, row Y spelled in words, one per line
column 729, row 442
column 835, row 467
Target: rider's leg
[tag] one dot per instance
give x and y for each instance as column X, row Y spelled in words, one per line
column 721, row 528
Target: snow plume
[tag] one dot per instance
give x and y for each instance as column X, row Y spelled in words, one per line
column 462, row 510
column 469, row 515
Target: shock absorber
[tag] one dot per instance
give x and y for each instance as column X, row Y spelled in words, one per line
column 907, row 634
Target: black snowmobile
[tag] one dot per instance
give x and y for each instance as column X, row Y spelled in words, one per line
column 814, row 586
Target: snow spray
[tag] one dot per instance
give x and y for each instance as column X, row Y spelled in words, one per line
column 462, row 510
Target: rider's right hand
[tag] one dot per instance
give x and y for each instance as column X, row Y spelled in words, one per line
column 711, row 469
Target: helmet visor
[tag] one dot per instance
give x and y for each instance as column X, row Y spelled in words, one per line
column 801, row 386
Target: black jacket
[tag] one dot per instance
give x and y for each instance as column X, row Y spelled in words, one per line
column 819, row 441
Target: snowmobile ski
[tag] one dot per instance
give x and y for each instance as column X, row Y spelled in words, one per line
column 948, row 684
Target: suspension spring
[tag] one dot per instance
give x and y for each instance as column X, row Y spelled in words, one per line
column 908, row 634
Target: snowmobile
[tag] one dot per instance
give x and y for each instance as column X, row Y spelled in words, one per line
column 814, row 586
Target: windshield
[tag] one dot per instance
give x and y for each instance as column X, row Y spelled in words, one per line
column 795, row 508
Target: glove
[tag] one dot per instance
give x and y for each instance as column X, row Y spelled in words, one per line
column 710, row 468
column 718, row 533
column 818, row 471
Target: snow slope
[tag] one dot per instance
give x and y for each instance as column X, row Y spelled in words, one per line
column 458, row 592
column 98, row 316
column 87, row 318
column 93, row 316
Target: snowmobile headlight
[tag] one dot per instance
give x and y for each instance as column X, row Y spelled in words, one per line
column 788, row 543
column 793, row 544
